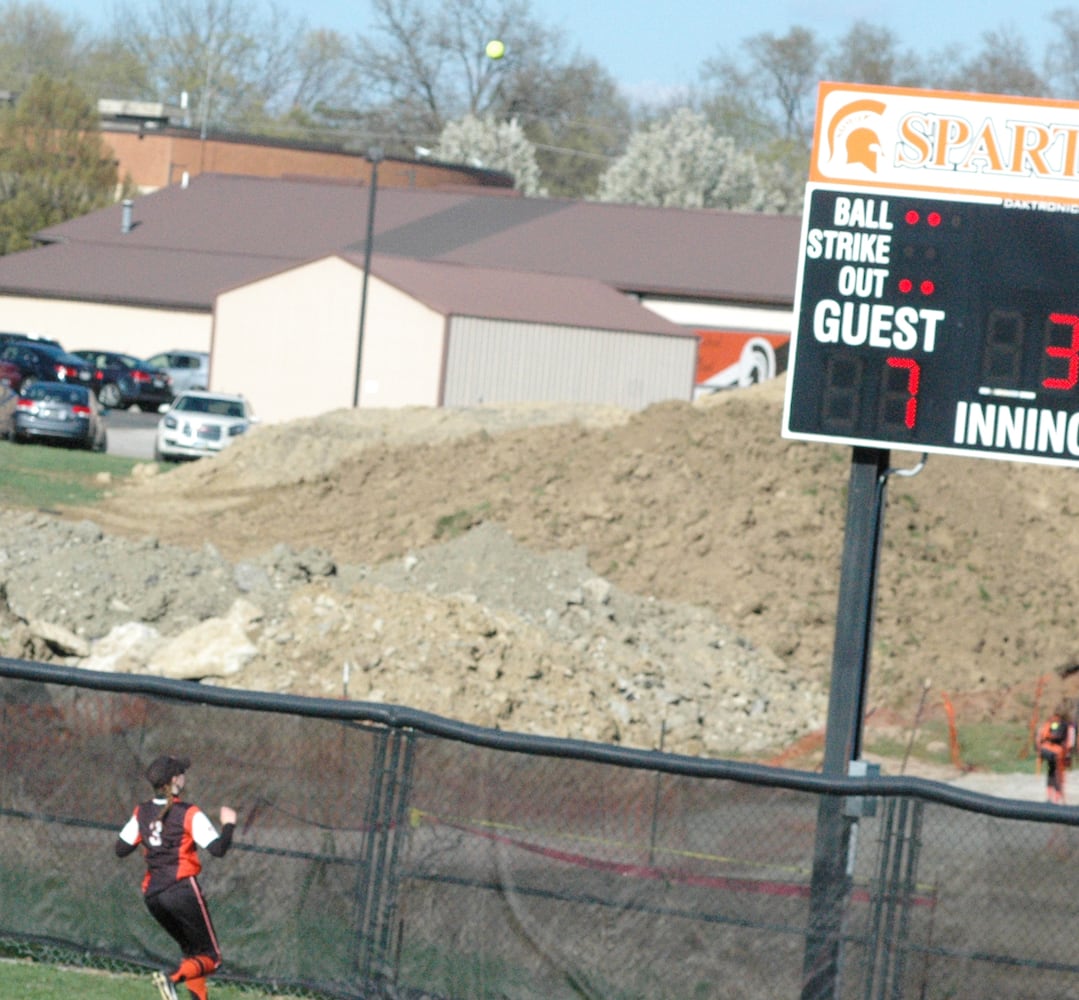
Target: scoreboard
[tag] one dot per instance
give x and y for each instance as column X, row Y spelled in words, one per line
column 937, row 324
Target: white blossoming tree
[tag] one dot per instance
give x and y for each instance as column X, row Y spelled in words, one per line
column 682, row 162
column 496, row 145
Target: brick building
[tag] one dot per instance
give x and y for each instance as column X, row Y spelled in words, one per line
column 155, row 148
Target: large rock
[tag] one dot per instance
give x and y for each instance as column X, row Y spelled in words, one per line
column 217, row 647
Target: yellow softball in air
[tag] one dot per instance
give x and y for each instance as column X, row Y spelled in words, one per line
column 495, row 49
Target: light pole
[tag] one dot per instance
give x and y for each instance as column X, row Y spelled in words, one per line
column 374, row 156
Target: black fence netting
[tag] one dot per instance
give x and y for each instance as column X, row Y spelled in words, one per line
column 386, row 853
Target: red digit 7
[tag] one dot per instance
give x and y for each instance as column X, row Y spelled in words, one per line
column 1071, row 353
column 914, row 377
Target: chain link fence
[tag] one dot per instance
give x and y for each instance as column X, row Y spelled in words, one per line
column 382, row 852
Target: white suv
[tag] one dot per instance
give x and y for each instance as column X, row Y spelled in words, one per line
column 201, row 423
column 187, row 369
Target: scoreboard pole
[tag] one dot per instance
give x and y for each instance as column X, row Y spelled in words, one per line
column 831, row 878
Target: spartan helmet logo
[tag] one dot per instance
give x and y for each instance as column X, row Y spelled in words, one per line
column 853, row 133
column 863, row 146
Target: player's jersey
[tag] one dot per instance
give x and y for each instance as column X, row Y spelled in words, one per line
column 171, row 846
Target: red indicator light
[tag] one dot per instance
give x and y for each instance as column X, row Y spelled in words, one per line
column 905, row 285
column 934, row 219
column 928, row 288
column 912, row 217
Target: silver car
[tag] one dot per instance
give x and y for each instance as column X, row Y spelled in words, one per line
column 186, row 369
column 201, row 423
column 58, row 411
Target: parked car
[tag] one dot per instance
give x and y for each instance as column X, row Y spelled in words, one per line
column 122, row 380
column 59, row 411
column 23, row 363
column 7, row 338
column 8, row 396
column 187, row 369
column 201, row 423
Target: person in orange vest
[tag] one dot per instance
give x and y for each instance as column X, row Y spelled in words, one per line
column 1055, row 745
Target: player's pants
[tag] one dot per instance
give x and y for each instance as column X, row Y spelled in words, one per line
column 1055, row 758
column 181, row 909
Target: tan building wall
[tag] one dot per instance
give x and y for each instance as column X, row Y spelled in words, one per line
column 156, row 158
column 285, row 341
column 403, row 350
column 126, row 329
column 288, row 342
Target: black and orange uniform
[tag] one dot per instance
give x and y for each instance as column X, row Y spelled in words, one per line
column 1055, row 745
column 170, row 833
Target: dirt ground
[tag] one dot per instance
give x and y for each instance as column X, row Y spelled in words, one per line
column 686, row 556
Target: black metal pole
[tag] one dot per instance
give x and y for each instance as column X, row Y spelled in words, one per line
column 375, row 156
column 830, row 882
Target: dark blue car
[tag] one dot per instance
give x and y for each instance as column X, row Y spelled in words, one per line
column 122, row 380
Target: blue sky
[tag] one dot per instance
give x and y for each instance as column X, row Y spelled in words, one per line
column 647, row 45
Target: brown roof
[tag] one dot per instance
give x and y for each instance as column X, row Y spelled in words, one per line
column 137, row 276
column 187, row 243
column 740, row 256
column 527, row 297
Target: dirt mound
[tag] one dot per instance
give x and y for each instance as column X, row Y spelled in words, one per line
column 701, row 507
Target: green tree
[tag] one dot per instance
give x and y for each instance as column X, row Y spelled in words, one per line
column 53, row 163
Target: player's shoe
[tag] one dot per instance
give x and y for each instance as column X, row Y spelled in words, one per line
column 164, row 986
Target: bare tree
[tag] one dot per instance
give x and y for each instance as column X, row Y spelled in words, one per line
column 1062, row 56
column 1001, row 66
column 870, row 54
column 239, row 66
column 323, row 72
column 425, row 66
column 35, row 39
column 779, row 76
column 575, row 116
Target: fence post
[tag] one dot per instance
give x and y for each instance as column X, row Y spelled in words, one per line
column 385, row 822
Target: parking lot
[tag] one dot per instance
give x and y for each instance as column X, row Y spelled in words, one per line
column 131, row 433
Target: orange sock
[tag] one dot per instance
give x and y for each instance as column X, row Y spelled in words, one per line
column 197, row 988
column 194, row 968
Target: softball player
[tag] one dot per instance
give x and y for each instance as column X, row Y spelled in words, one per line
column 170, row 832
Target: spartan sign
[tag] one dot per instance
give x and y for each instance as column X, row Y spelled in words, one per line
column 937, row 308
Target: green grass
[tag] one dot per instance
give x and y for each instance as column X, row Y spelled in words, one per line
column 1001, row 748
column 35, row 475
column 38, row 981
column 453, row 525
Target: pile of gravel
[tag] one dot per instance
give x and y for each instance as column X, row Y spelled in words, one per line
column 477, row 628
